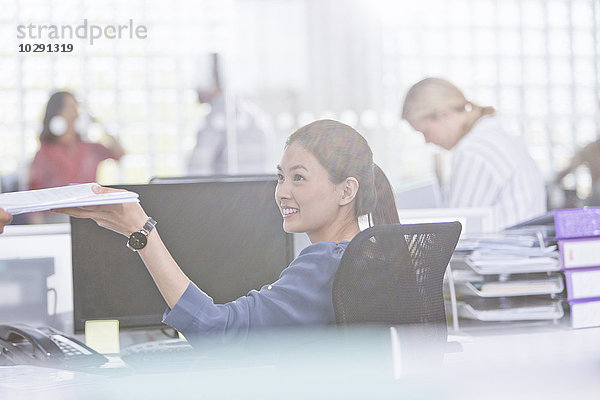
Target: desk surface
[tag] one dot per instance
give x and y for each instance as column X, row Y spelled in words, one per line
column 545, row 363
column 549, row 364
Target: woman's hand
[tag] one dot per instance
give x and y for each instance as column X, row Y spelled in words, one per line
column 5, row 218
column 124, row 218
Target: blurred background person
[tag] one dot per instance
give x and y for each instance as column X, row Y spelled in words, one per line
column 252, row 129
column 590, row 157
column 489, row 168
column 64, row 157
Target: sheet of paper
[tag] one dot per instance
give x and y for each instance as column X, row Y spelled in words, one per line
column 61, row 197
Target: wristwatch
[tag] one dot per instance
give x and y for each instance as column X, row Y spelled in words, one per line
column 138, row 240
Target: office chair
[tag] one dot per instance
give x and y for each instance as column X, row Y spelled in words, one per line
column 393, row 275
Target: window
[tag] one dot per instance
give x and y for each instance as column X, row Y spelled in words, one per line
column 536, row 61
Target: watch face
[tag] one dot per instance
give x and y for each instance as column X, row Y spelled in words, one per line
column 137, row 240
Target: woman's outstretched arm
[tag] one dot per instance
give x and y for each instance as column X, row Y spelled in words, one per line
column 128, row 218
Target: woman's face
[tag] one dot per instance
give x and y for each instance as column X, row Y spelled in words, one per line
column 70, row 113
column 307, row 199
column 69, row 109
column 443, row 128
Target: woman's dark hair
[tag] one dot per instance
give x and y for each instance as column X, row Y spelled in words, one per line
column 344, row 153
column 53, row 108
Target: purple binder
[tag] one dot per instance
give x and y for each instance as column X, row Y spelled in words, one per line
column 591, row 291
column 577, row 222
column 586, row 316
column 590, row 246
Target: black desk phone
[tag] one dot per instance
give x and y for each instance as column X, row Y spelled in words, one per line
column 45, row 346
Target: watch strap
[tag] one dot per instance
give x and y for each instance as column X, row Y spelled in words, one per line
column 148, row 226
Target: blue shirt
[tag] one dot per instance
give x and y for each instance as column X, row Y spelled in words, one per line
column 301, row 296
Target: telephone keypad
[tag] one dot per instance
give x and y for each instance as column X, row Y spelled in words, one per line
column 69, row 348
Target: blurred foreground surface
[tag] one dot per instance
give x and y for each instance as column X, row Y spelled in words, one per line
column 341, row 362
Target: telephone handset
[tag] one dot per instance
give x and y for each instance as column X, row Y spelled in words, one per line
column 45, row 346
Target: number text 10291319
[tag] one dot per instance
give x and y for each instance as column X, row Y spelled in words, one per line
column 45, row 48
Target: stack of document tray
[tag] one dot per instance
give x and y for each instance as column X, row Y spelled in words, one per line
column 507, row 277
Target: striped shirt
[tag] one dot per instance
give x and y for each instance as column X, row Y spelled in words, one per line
column 493, row 169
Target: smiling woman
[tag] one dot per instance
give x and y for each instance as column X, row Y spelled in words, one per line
column 326, row 180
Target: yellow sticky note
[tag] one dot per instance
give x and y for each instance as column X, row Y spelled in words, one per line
column 103, row 336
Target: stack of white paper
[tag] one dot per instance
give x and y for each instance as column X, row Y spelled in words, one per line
column 496, row 241
column 507, row 254
column 61, row 197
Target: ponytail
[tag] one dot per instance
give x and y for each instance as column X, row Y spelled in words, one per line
column 476, row 111
column 384, row 210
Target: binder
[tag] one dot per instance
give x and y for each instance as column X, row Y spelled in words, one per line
column 577, row 222
column 580, row 253
column 583, row 283
column 585, row 313
column 564, row 223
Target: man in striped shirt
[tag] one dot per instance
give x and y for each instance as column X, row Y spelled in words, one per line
column 489, row 167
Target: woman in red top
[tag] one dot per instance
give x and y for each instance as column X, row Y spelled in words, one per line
column 63, row 158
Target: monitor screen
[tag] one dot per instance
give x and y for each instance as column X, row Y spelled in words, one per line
column 226, row 235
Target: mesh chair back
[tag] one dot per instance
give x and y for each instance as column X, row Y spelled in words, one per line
column 393, row 274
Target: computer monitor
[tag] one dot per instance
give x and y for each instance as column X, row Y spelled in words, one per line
column 23, row 283
column 425, row 194
column 219, row 177
column 472, row 219
column 226, row 235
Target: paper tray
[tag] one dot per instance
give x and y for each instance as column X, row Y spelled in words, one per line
column 513, row 269
column 542, row 311
column 528, row 287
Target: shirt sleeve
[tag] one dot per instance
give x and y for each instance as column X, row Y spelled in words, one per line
column 301, row 296
column 102, row 152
